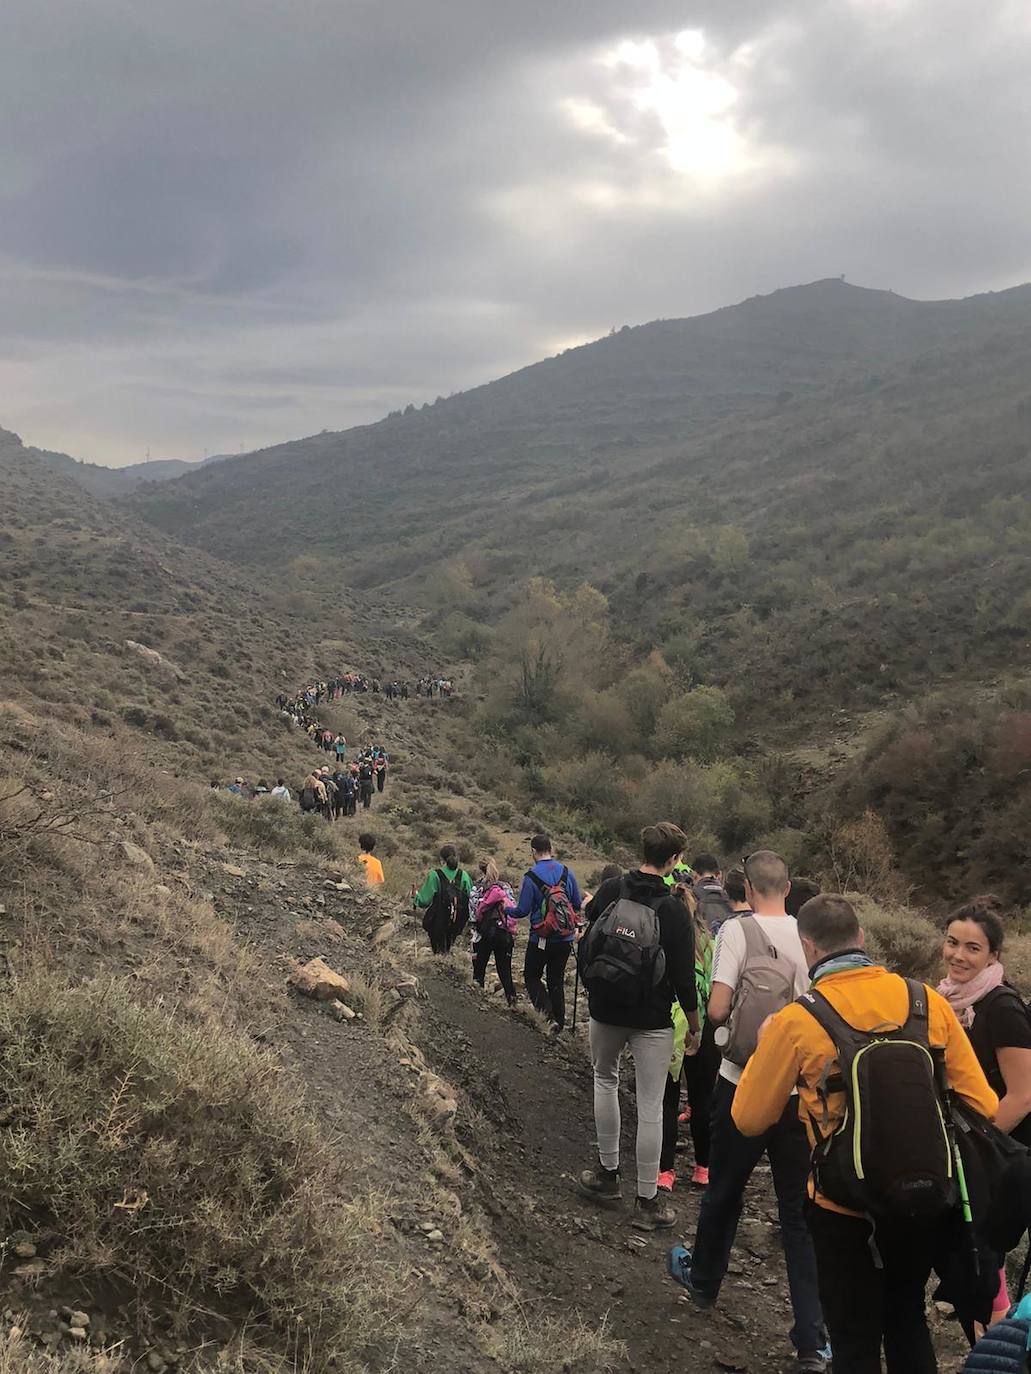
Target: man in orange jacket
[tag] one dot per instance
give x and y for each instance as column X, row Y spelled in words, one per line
column 872, row 1277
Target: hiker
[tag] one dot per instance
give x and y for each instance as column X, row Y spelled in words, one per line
column 340, row 748
column 550, row 898
column 734, row 886
column 444, row 901
column 340, row 778
column 236, row 787
column 313, row 793
column 331, row 791
column 801, row 890
column 874, row 1249
column 380, row 768
column 635, row 957
column 493, row 932
column 697, row 1063
column 713, row 902
column 261, row 790
column 990, row 1010
column 374, row 875
column 281, row 791
column 996, row 1020
column 758, row 968
column 365, row 783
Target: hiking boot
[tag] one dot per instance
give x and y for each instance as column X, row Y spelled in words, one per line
column 700, row 1177
column 814, row 1361
column 666, row 1180
column 678, row 1263
column 600, row 1185
column 653, row 1214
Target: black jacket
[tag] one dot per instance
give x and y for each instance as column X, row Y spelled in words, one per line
column 676, row 935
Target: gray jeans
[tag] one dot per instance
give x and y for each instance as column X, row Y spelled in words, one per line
column 652, row 1050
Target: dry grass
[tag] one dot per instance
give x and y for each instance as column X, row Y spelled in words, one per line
column 542, row 1345
column 180, row 1163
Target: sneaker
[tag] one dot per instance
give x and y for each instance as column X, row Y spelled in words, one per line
column 685, row 1116
column 814, row 1361
column 666, row 1180
column 653, row 1214
column 700, row 1177
column 554, row 1028
column 678, row 1263
column 600, row 1185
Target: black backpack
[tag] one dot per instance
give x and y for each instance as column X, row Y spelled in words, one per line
column 450, row 905
column 892, row 1155
column 308, row 799
column 621, row 956
column 713, row 903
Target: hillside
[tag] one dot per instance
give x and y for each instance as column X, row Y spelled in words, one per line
column 102, row 481
column 814, row 504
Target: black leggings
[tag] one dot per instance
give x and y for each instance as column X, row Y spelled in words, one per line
column 700, row 1072
column 551, row 962
column 500, row 945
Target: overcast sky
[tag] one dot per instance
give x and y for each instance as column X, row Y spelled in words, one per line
column 224, row 223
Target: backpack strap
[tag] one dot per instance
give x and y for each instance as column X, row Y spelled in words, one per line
column 757, row 942
column 915, row 1025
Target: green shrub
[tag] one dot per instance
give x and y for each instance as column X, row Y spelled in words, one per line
column 903, row 939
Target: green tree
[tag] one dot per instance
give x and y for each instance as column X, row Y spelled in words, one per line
column 695, row 725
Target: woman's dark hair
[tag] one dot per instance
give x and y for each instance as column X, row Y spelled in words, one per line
column 984, row 912
column 609, row 872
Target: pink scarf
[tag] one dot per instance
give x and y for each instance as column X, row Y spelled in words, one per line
column 964, row 997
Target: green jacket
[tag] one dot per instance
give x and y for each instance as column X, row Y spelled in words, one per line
column 426, row 893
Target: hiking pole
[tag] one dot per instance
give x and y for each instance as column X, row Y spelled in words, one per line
column 576, row 992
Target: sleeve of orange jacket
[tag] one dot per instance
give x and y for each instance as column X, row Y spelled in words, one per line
column 768, row 1079
column 965, row 1075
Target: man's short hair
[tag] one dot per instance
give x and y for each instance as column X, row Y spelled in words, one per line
column 734, row 885
column 448, row 856
column 705, row 863
column 767, row 872
column 367, row 843
column 830, row 922
column 540, row 844
column 801, row 891
column 659, row 843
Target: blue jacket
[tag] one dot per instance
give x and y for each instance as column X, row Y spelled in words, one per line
column 531, row 899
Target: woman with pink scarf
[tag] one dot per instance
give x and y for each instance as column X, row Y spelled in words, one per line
column 995, row 1018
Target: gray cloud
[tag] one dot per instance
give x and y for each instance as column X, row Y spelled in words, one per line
column 226, row 225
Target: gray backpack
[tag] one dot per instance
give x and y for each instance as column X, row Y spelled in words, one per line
column 766, row 984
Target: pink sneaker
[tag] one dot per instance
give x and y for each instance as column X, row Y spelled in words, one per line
column 700, row 1177
column 684, row 1116
column 666, row 1180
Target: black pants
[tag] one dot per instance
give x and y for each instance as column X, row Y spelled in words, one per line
column 734, row 1156
column 381, row 778
column 550, row 961
column 439, row 928
column 367, row 796
column 700, row 1071
column 500, row 945
column 865, row 1305
column 670, row 1112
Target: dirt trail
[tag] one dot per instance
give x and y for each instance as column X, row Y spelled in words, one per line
column 531, row 1131
column 526, row 1119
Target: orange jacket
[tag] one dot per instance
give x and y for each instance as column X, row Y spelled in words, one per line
column 794, row 1051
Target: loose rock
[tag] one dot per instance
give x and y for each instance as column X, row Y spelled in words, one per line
column 316, row 979
column 133, row 854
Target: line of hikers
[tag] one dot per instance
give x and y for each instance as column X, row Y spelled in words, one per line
column 339, row 792
column 895, row 1117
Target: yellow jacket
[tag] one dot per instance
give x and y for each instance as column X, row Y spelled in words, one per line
column 794, row 1050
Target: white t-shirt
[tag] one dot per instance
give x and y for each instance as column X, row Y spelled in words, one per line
column 729, row 958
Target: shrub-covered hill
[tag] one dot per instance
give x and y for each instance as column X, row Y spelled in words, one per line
column 825, row 488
